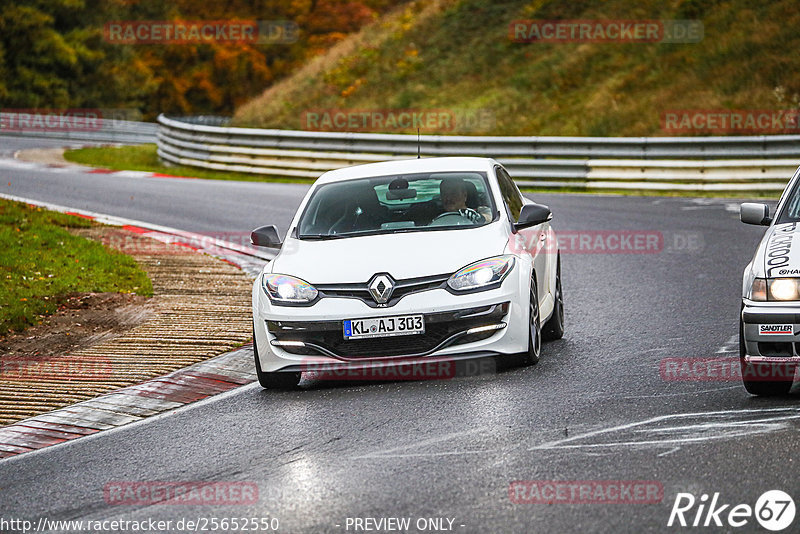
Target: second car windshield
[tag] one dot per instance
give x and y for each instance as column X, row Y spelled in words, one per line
column 791, row 209
column 398, row 203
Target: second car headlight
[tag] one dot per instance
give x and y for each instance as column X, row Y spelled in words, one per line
column 775, row 289
column 481, row 274
column 285, row 289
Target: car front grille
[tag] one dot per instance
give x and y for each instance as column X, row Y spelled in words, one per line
column 441, row 329
column 778, row 349
column 402, row 288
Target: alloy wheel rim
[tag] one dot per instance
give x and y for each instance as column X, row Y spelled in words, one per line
column 560, row 298
column 535, row 328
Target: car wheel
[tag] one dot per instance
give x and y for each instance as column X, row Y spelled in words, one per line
column 759, row 387
column 273, row 380
column 531, row 357
column 554, row 327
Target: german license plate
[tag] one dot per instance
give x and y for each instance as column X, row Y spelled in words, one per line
column 401, row 325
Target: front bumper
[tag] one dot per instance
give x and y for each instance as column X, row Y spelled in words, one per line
column 771, row 332
column 451, row 321
column 443, row 329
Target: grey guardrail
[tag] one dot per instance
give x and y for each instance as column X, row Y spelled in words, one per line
column 102, row 129
column 684, row 163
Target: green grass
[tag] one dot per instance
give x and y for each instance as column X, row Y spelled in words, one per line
column 42, row 262
column 145, row 158
column 456, row 55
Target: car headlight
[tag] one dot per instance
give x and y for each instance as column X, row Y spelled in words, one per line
column 482, row 274
column 783, row 288
column 285, row 289
column 775, row 289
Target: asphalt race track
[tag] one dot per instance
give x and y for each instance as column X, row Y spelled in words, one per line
column 596, row 408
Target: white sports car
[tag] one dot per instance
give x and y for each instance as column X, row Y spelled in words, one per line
column 769, row 326
column 403, row 262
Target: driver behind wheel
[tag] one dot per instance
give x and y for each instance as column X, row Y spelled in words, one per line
column 453, row 193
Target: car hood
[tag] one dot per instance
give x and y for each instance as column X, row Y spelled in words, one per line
column 402, row 255
column 780, row 251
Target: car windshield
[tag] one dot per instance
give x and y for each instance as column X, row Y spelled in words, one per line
column 398, row 203
column 791, row 210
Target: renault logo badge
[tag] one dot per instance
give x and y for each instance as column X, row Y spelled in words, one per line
column 381, row 287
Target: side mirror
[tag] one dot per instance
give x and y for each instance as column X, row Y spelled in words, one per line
column 533, row 214
column 754, row 213
column 266, row 236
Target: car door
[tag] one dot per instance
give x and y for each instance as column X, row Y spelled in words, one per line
column 533, row 240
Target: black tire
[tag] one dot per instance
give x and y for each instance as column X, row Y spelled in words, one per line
column 760, row 387
column 273, row 380
column 554, row 327
column 531, row 356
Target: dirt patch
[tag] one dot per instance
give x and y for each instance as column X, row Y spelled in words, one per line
column 49, row 156
column 83, row 320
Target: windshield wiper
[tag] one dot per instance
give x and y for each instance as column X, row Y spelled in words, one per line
column 404, row 230
column 321, row 237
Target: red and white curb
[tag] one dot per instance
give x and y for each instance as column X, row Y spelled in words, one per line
column 15, row 163
column 130, row 404
column 135, row 403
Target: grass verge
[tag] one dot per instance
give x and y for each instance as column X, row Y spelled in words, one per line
column 145, row 158
column 42, row 262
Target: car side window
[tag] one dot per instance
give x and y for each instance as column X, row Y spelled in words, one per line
column 511, row 195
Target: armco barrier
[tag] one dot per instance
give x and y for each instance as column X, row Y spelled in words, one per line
column 107, row 129
column 752, row 163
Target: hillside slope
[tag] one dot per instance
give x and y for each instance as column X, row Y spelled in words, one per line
column 457, row 56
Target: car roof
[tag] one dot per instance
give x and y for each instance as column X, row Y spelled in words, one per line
column 409, row 166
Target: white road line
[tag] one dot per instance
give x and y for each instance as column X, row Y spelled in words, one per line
column 681, row 394
column 764, row 425
column 733, row 207
column 16, row 164
column 133, row 174
column 423, row 454
column 658, row 442
column 387, row 453
column 731, row 346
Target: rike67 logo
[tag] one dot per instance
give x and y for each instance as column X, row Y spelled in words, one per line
column 774, row 510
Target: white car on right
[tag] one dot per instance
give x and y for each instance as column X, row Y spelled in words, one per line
column 769, row 325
